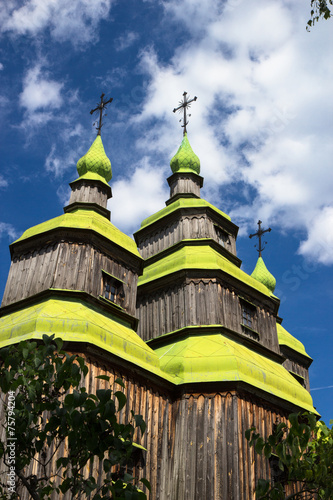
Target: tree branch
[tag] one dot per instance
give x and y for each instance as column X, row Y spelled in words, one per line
column 26, row 483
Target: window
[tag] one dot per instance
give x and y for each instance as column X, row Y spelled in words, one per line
column 110, row 292
column 249, row 319
column 298, row 377
column 222, row 236
column 247, row 315
column 112, row 288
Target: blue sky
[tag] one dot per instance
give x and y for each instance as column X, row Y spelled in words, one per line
column 262, row 128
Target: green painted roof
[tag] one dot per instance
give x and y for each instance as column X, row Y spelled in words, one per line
column 95, row 160
column 192, row 359
column 84, row 219
column 197, row 257
column 92, row 176
column 262, row 274
column 215, row 358
column 285, row 338
column 177, row 205
column 185, row 160
column 72, row 320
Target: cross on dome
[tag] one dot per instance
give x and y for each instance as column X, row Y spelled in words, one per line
column 259, row 234
column 184, row 105
column 101, row 107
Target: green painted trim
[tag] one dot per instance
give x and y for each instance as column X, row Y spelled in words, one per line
column 114, row 277
column 216, row 358
column 198, row 358
column 194, row 242
column 179, row 204
column 74, row 321
column 296, row 375
column 91, row 176
column 88, row 220
column 285, row 338
column 198, row 257
column 251, row 330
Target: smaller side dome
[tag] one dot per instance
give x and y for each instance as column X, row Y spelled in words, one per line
column 95, row 160
column 262, row 274
column 185, row 160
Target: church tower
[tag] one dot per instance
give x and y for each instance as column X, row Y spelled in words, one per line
column 197, row 341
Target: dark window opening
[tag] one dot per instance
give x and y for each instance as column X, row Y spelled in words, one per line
column 249, row 319
column 298, row 377
column 247, row 316
column 112, row 288
column 222, row 236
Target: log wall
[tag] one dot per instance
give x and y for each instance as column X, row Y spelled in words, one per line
column 187, row 227
column 196, row 446
column 199, row 302
column 67, row 265
column 89, row 193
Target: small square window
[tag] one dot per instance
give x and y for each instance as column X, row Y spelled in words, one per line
column 222, row 236
column 249, row 319
column 112, row 288
column 110, row 292
column 247, row 315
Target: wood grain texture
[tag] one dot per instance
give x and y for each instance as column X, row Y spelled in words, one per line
column 67, row 265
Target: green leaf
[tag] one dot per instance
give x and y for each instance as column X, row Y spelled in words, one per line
column 146, row 483
column 121, row 399
column 103, row 377
column 119, row 382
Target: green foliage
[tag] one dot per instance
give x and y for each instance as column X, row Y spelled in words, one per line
column 52, row 413
column 320, row 9
column 302, row 452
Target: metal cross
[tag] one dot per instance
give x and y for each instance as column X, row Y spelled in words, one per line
column 185, row 104
column 259, row 233
column 100, row 107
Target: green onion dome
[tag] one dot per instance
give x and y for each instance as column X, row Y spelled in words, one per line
column 262, row 274
column 185, row 160
column 95, row 160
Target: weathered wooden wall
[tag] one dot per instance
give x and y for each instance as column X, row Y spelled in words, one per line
column 196, row 446
column 199, row 302
column 186, row 227
column 89, row 193
column 67, row 265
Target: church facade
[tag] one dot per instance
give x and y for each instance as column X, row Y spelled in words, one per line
column 198, row 342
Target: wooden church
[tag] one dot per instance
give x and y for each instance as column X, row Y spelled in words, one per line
column 198, row 342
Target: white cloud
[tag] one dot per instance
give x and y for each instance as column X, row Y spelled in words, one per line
column 3, row 182
column 138, row 197
column 40, row 92
column 74, row 21
column 319, row 242
column 1, row 66
column 57, row 163
column 263, row 115
column 8, row 230
column 126, row 40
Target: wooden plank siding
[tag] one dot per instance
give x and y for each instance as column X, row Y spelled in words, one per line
column 196, row 446
column 67, row 265
column 199, row 302
column 89, row 194
column 187, row 227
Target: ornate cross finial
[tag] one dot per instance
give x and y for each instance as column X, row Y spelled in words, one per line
column 100, row 107
column 259, row 233
column 185, row 104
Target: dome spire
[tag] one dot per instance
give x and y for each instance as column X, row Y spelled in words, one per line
column 260, row 272
column 259, row 234
column 95, row 160
column 101, row 106
column 183, row 105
